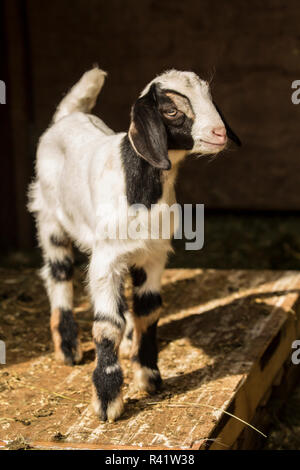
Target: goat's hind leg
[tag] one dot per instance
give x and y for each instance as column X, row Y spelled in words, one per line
column 57, row 273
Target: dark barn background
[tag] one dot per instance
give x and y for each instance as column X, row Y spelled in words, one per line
column 250, row 51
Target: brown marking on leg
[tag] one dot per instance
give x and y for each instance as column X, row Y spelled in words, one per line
column 105, row 329
column 54, row 324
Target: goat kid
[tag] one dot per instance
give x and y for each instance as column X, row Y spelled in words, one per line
column 83, row 167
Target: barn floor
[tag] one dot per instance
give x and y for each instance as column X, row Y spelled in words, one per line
column 224, row 338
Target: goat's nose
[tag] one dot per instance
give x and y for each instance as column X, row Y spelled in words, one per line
column 220, row 134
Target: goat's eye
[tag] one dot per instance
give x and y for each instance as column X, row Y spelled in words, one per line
column 171, row 113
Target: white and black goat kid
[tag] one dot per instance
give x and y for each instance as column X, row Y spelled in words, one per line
column 84, row 167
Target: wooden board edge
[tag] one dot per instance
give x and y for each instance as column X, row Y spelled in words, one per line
column 248, row 396
column 48, row 445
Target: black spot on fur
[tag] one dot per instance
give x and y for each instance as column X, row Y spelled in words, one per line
column 103, row 317
column 146, row 303
column 68, row 330
column 108, row 386
column 138, row 276
column 179, row 131
column 143, row 181
column 59, row 241
column 181, row 138
column 62, row 270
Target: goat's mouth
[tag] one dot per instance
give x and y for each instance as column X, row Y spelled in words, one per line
column 211, row 148
column 206, row 147
column 214, row 144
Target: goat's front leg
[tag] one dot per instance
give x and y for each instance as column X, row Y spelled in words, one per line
column 106, row 291
column 146, row 306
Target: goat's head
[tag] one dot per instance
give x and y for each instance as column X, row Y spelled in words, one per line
column 176, row 112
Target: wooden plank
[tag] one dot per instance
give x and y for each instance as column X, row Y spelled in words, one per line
column 223, row 338
column 265, row 369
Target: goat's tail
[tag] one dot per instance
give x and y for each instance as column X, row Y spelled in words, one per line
column 82, row 97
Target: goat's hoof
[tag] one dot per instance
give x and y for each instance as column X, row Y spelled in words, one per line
column 147, row 380
column 78, row 353
column 110, row 411
column 69, row 356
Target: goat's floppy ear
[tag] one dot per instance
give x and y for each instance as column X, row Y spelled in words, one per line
column 147, row 133
column 231, row 135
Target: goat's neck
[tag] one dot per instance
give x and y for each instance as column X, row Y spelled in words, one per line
column 176, row 157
